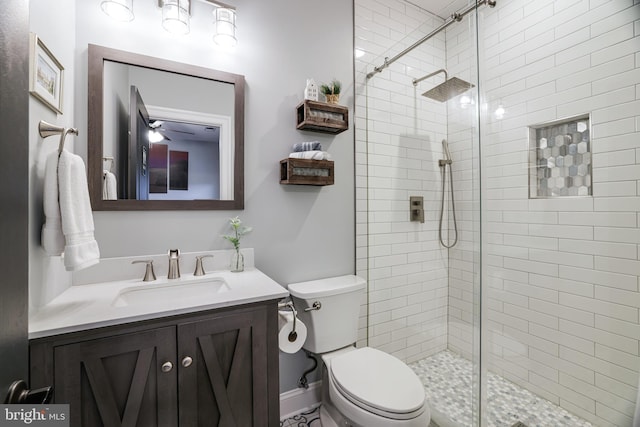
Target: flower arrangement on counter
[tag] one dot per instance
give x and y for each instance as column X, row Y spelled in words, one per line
column 239, row 230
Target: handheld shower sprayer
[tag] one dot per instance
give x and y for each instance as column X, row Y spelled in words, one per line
column 447, row 154
column 443, row 163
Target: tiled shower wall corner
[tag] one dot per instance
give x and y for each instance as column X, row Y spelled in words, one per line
column 405, row 265
column 561, row 275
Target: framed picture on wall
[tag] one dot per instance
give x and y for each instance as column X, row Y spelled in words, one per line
column 46, row 74
column 158, row 157
column 178, row 170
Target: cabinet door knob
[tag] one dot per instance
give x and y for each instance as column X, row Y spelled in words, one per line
column 187, row 361
column 167, row 367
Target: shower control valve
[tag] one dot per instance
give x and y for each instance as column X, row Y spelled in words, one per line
column 416, row 208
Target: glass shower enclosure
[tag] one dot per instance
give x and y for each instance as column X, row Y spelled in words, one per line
column 498, row 200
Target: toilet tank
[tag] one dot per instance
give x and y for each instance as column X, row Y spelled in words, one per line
column 335, row 324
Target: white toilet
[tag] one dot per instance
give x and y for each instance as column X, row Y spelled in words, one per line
column 361, row 387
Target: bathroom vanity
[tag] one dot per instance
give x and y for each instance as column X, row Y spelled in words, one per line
column 211, row 362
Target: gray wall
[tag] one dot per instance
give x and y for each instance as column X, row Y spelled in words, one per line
column 299, row 233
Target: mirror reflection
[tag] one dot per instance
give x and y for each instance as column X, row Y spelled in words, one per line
column 183, row 161
column 170, row 135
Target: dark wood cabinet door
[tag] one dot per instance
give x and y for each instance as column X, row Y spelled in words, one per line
column 226, row 384
column 118, row 381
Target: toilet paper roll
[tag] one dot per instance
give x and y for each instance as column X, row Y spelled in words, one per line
column 288, row 342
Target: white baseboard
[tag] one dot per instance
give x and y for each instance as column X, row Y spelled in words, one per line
column 293, row 402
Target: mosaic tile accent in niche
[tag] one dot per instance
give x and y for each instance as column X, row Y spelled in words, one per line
column 560, row 158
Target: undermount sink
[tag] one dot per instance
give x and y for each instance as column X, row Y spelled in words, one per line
column 176, row 293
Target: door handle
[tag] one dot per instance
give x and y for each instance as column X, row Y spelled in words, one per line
column 20, row 393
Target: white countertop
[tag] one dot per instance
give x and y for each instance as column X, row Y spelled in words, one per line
column 90, row 306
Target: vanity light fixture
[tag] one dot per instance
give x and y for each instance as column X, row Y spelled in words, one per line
column 176, row 15
column 120, row 10
column 224, row 25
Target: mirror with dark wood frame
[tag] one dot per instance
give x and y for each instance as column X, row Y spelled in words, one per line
column 197, row 116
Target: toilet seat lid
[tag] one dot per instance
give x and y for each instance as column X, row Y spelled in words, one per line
column 378, row 380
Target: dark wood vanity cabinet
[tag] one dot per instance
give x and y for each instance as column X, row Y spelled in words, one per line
column 226, row 384
column 118, row 380
column 218, row 368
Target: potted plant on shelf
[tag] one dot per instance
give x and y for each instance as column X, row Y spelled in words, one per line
column 331, row 91
column 237, row 259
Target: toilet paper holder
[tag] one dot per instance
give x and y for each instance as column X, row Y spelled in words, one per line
column 293, row 335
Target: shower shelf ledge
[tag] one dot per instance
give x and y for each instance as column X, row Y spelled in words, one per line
column 322, row 117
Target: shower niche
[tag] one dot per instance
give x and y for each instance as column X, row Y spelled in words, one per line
column 560, row 158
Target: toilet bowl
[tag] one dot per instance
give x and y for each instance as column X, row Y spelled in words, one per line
column 371, row 388
column 361, row 387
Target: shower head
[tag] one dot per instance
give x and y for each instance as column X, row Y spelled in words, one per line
column 450, row 88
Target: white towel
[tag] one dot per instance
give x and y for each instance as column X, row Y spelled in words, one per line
column 315, row 155
column 109, row 186
column 52, row 237
column 81, row 249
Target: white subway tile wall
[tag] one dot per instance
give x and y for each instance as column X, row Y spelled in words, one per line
column 561, row 277
column 397, row 151
column 464, row 264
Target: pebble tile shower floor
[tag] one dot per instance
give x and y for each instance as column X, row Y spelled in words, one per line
column 447, row 380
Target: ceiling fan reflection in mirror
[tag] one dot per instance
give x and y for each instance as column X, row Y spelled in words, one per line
column 160, row 130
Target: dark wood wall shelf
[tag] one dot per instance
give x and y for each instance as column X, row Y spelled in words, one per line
column 322, row 117
column 306, row 172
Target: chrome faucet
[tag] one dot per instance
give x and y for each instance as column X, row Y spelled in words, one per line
column 199, row 268
column 174, row 264
column 149, row 274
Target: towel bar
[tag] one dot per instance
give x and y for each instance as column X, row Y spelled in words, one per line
column 47, row 129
